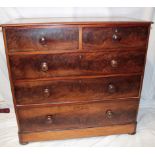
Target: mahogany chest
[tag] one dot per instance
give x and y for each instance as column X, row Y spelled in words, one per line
column 75, row 77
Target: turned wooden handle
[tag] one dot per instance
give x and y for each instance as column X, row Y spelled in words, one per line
column 114, row 63
column 49, row 119
column 116, row 37
column 42, row 41
column 5, row 110
column 44, row 66
column 111, row 88
column 109, row 114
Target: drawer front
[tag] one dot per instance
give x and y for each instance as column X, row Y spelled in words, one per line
column 30, row 39
column 73, row 90
column 121, row 37
column 95, row 114
column 76, row 64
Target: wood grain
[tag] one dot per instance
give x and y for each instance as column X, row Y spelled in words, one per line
column 101, row 38
column 77, row 90
column 10, row 76
column 76, row 133
column 93, row 78
column 42, row 39
column 104, row 21
column 76, row 64
column 77, row 115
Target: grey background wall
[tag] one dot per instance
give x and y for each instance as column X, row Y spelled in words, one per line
column 7, row 14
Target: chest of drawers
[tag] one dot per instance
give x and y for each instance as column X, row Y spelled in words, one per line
column 75, row 77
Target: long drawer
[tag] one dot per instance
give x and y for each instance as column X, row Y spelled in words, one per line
column 115, row 37
column 74, row 116
column 73, row 90
column 76, row 64
column 31, row 39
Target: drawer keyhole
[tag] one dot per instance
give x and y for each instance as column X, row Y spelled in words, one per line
column 46, row 92
column 49, row 119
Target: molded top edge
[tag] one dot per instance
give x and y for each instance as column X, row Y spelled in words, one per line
column 74, row 21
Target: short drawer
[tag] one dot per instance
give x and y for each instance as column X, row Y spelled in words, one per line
column 73, row 90
column 76, row 64
column 32, row 39
column 114, row 37
column 63, row 117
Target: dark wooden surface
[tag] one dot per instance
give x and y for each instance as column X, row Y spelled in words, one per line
column 77, row 64
column 101, row 38
column 30, row 39
column 67, row 38
column 77, row 90
column 4, row 110
column 90, row 67
column 77, row 115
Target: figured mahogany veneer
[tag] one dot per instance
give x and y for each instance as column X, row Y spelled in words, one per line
column 73, row 90
column 76, row 64
column 75, row 77
column 114, row 37
column 29, row 39
column 76, row 116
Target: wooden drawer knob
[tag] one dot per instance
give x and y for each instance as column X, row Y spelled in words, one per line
column 46, row 92
column 44, row 66
column 116, row 37
column 114, row 63
column 111, row 88
column 42, row 41
column 49, row 119
column 109, row 114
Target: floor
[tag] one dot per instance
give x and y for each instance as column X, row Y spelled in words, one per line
column 145, row 135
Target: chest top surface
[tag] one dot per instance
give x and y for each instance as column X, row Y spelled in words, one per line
column 74, row 21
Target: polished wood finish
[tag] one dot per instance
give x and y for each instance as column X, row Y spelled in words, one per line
column 29, row 39
column 5, row 110
column 76, row 133
column 115, row 37
column 75, row 77
column 74, row 116
column 58, row 21
column 76, row 64
column 77, row 90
